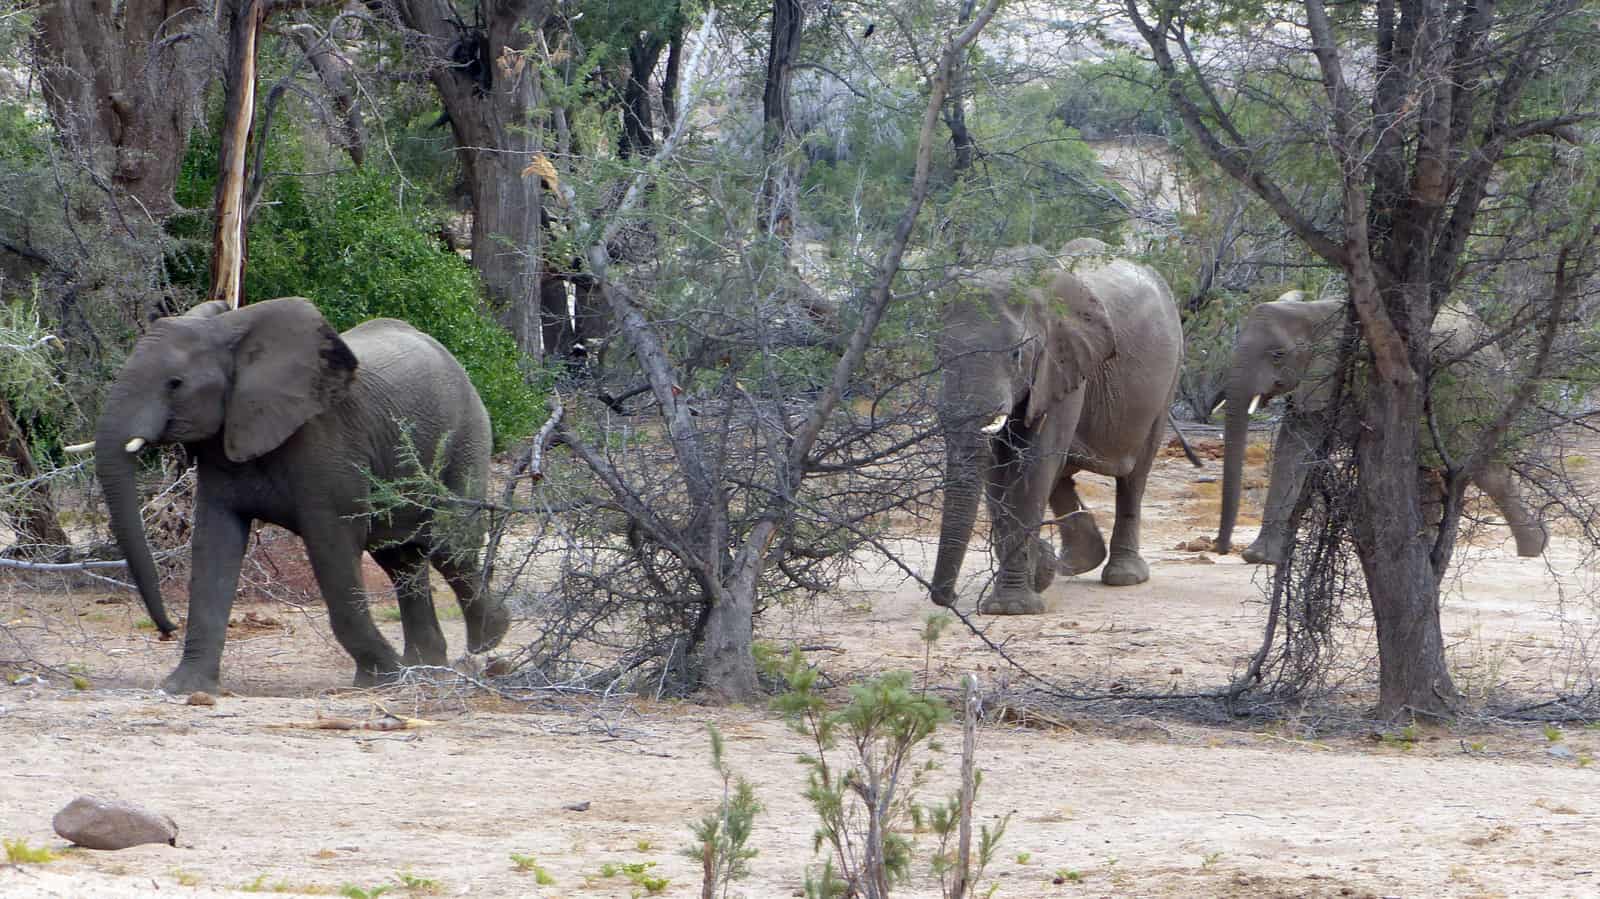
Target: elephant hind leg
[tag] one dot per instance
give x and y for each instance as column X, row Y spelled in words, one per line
column 1126, row 567
column 1083, row 547
column 407, row 567
column 1497, row 481
column 487, row 619
column 336, row 561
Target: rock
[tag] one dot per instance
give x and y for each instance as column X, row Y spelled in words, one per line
column 577, row 806
column 200, row 697
column 1197, row 545
column 1561, row 751
column 96, row 823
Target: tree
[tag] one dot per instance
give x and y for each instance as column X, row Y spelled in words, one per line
column 731, row 512
column 1413, row 146
column 123, row 83
column 479, row 62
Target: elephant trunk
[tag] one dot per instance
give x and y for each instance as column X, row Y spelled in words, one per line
column 1236, row 433
column 962, row 484
column 117, row 468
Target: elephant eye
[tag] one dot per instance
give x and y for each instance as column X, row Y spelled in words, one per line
column 1278, row 354
column 1016, row 355
column 174, row 383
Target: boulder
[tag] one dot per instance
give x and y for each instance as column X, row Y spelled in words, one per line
column 97, row 823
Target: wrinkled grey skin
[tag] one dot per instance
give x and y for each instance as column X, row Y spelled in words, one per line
column 1288, row 348
column 1082, row 362
column 285, row 419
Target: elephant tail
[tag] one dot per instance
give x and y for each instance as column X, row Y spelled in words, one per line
column 1184, row 442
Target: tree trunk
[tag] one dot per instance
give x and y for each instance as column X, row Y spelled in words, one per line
column 490, row 100
column 238, row 114
column 123, row 84
column 39, row 533
column 638, row 137
column 955, row 109
column 1392, row 544
column 777, row 191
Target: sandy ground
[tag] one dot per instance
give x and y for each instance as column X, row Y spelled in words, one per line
column 1133, row 806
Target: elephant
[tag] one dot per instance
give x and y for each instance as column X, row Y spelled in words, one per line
column 1053, row 364
column 289, row 422
column 1289, row 347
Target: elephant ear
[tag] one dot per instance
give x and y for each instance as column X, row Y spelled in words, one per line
column 289, row 365
column 1078, row 340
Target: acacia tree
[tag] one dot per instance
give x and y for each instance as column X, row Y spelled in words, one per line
column 731, row 512
column 1419, row 115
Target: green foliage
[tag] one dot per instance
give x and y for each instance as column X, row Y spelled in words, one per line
column 28, row 384
column 722, row 836
column 18, row 852
column 24, row 139
column 529, row 864
column 348, row 244
column 863, row 803
column 1113, row 97
column 352, row 891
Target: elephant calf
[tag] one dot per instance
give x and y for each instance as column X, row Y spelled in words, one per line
column 288, row 422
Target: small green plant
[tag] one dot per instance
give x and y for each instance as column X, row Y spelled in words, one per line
column 411, row 883
column 1553, row 733
column 185, row 878
column 1209, row 860
column 1024, row 857
column 933, row 625
column 18, row 852
column 351, row 891
column 530, row 865
column 644, row 845
column 610, row 869
column 145, row 624
column 260, row 885
column 1406, row 738
column 79, row 682
column 639, row 875
column 1068, row 875
column 862, row 804
column 721, row 837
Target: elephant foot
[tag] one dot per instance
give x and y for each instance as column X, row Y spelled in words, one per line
column 484, row 634
column 183, row 681
column 1125, row 571
column 942, row 596
column 1531, row 545
column 1013, row 602
column 433, row 655
column 1082, row 562
column 377, row 674
column 1259, row 553
column 1044, row 567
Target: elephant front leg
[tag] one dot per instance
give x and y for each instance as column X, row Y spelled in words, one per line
column 336, row 561
column 1292, row 451
column 216, row 554
column 1016, row 510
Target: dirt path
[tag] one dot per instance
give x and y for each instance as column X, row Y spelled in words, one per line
column 1137, row 807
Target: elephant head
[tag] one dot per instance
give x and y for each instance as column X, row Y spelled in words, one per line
column 234, row 382
column 1282, row 349
column 1012, row 352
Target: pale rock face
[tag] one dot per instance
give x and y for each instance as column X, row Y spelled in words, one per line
column 97, row 823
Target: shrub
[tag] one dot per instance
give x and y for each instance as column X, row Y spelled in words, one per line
column 348, row 244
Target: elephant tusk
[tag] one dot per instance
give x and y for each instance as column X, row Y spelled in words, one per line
column 79, row 447
column 1218, row 407
column 994, row 427
column 1255, row 403
column 134, row 445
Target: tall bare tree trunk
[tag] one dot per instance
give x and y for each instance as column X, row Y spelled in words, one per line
column 490, row 90
column 238, row 114
column 122, row 82
column 777, row 191
column 38, row 530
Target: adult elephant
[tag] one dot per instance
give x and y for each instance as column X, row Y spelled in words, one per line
column 1289, row 348
column 1052, row 365
column 288, row 422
